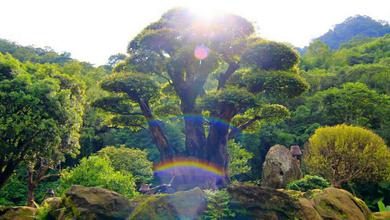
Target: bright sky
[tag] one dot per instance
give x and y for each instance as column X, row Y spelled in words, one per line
column 92, row 30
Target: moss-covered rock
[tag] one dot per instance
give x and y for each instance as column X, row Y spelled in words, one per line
column 52, row 202
column 94, row 203
column 335, row 203
column 254, row 202
column 17, row 213
column 243, row 202
column 181, row 205
column 381, row 215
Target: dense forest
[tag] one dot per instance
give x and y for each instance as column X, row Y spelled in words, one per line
column 223, row 97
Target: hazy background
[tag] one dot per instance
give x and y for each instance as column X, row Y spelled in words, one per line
column 92, row 30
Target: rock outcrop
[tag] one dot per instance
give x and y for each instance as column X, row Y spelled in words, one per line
column 94, row 203
column 334, row 203
column 245, row 201
column 280, row 167
column 52, row 202
column 17, row 213
column 254, row 202
column 181, row 205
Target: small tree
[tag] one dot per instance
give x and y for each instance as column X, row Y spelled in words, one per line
column 238, row 159
column 130, row 160
column 98, row 172
column 345, row 153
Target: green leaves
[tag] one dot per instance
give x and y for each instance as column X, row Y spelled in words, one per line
column 40, row 114
column 129, row 160
column 308, row 183
column 117, row 105
column 345, row 153
column 231, row 97
column 270, row 56
column 218, row 205
column 274, row 83
column 98, row 172
column 136, row 85
column 239, row 159
column 382, row 207
column 9, row 67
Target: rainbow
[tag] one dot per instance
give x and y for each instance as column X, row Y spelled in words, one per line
column 195, row 118
column 189, row 163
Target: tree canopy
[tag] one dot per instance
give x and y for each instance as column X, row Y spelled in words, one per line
column 185, row 52
column 41, row 114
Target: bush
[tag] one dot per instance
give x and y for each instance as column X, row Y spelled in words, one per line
column 345, row 154
column 218, row 205
column 14, row 191
column 98, row 172
column 308, row 183
column 382, row 207
column 238, row 159
column 129, row 160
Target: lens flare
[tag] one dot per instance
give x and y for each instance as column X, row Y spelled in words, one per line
column 201, row 52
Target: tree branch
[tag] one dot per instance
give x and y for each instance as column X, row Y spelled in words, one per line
column 223, row 77
column 233, row 133
column 48, row 176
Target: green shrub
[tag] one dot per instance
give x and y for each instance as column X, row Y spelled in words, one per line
column 238, row 159
column 130, row 160
column 308, row 183
column 218, row 205
column 345, row 153
column 98, row 172
column 382, row 207
column 42, row 211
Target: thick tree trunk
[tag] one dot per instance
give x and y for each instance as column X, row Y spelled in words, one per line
column 166, row 151
column 31, row 195
column 194, row 131
column 217, row 149
column 31, row 186
column 217, row 141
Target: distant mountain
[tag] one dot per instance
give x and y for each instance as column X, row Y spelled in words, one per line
column 358, row 26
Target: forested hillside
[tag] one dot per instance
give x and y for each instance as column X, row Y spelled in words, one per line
column 225, row 101
column 356, row 27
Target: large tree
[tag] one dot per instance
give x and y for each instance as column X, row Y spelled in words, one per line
column 188, row 53
column 40, row 118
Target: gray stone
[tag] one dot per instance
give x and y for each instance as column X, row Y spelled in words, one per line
column 280, row 167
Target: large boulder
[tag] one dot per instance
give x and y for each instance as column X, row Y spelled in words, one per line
column 94, row 203
column 181, row 205
column 334, row 203
column 17, row 213
column 280, row 167
column 254, row 202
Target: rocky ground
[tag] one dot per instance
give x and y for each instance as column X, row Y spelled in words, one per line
column 246, row 201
